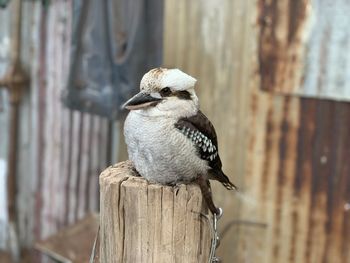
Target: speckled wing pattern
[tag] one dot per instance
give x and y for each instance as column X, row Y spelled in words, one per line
column 202, row 133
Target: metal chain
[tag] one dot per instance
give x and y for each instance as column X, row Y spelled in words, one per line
column 94, row 247
column 215, row 241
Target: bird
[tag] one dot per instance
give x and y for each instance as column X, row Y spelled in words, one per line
column 169, row 139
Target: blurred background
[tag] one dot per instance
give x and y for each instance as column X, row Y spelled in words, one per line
column 273, row 76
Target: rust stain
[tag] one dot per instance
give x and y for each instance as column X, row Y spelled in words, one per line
column 338, row 177
column 322, row 171
column 268, row 154
column 281, row 173
column 254, row 103
column 345, row 250
column 304, row 149
column 279, row 54
column 297, row 14
column 295, row 221
column 300, row 44
column 299, row 177
column 315, row 193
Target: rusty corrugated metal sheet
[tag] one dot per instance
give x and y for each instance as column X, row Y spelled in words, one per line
column 297, row 178
column 281, row 28
column 4, row 59
column 71, row 146
column 324, row 147
column 210, row 41
column 289, row 155
column 61, row 151
column 304, row 47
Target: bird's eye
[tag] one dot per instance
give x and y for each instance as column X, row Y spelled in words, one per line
column 165, row 92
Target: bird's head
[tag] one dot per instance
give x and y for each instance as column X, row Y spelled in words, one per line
column 163, row 91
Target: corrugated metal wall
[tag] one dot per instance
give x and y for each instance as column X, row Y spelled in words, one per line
column 300, row 175
column 214, row 43
column 61, row 151
column 4, row 57
column 303, row 47
column 289, row 155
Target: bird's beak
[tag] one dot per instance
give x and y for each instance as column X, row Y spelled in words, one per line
column 141, row 100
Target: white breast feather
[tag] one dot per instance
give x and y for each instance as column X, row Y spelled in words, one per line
column 160, row 152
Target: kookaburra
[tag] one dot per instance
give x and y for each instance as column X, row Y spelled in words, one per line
column 169, row 140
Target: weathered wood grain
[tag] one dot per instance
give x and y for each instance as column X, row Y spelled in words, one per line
column 142, row 222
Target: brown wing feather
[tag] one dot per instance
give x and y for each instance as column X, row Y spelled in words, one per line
column 199, row 127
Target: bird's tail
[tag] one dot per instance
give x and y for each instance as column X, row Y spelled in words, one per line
column 229, row 186
column 222, row 178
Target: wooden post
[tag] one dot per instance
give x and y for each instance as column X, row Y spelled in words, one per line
column 143, row 222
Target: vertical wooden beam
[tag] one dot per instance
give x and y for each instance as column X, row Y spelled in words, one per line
column 142, row 222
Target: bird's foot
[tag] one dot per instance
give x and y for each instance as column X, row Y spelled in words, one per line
column 177, row 187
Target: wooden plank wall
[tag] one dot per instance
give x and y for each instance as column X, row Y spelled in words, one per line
column 61, row 151
column 290, row 156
